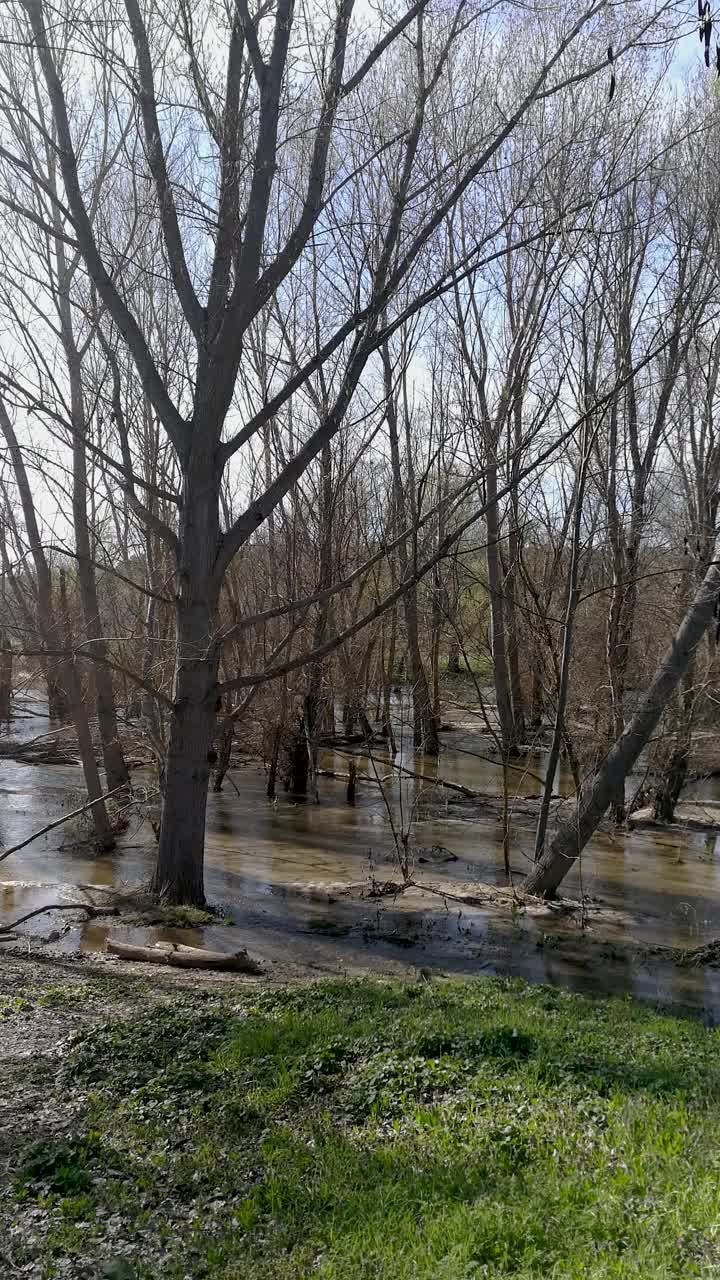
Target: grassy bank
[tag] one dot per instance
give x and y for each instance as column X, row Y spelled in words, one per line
column 440, row 1130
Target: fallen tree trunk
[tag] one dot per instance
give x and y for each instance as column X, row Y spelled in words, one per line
column 182, row 957
column 577, row 821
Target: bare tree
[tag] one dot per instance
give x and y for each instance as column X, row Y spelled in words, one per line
column 243, row 182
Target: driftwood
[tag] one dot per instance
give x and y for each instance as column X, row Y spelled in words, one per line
column 708, row 953
column 182, row 957
column 385, row 888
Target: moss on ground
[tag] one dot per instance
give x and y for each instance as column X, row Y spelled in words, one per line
column 172, row 917
column 432, row 1131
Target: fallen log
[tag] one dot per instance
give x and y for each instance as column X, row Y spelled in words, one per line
column 708, row 953
column 423, row 777
column 183, row 957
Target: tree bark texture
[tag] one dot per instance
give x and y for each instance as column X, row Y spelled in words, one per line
column 179, row 875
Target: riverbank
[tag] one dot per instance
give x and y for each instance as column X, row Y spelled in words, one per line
column 157, row 1130
column 375, row 927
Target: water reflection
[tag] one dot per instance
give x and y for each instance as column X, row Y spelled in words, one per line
column 667, row 884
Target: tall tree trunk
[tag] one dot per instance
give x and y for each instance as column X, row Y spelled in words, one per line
column 56, row 695
column 537, row 693
column 425, row 736
column 298, row 760
column 355, row 691
column 148, row 705
column 424, row 732
column 453, row 663
column 497, row 618
column 6, row 656
column 224, row 748
column 179, row 874
column 564, row 676
column 575, row 827
column 614, row 654
column 47, row 624
column 435, row 634
column 513, row 630
column 667, row 792
column 313, row 703
column 311, row 760
column 620, row 629
column 6, row 666
column 674, row 773
column 116, row 770
column 385, row 674
column 73, row 693
column 277, row 742
column 180, row 864
column 271, row 787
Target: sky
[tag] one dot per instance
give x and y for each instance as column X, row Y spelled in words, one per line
column 687, row 62
column 688, row 57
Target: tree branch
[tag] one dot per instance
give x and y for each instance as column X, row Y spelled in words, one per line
column 173, row 422
column 155, row 152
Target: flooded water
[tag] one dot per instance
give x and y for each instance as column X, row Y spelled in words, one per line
column 274, row 866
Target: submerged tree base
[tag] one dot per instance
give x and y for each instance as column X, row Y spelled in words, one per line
column 177, row 891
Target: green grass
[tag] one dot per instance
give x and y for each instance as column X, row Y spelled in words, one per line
column 367, row 1131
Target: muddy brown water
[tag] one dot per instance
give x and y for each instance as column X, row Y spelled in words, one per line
column 269, row 865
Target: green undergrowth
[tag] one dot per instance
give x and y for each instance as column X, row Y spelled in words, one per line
column 59, row 997
column 444, row 1130
column 172, row 917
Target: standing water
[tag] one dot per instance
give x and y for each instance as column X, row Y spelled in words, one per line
column 277, row 871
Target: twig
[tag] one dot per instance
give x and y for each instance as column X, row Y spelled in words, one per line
column 469, row 899
column 43, row 737
column 59, row 822
column 359, row 777
column 58, row 906
column 422, row 777
column 232, row 780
